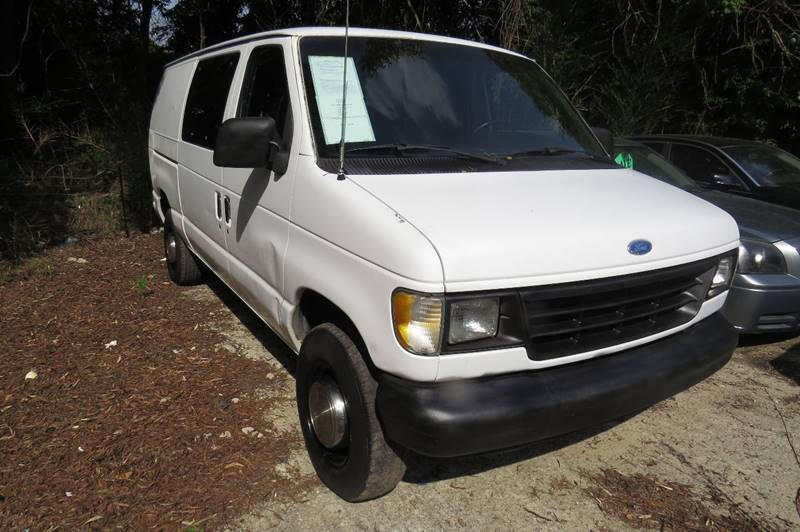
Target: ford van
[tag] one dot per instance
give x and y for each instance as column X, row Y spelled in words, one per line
column 436, row 232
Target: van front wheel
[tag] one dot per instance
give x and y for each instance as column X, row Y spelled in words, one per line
column 183, row 267
column 336, row 404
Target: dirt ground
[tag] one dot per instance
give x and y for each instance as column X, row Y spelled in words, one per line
column 188, row 422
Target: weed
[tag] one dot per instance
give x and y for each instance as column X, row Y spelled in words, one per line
column 31, row 268
column 39, row 266
column 142, row 285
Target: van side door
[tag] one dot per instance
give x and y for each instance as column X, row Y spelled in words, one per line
column 199, row 180
column 257, row 231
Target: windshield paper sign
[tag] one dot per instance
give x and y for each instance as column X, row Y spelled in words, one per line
column 326, row 74
column 625, row 160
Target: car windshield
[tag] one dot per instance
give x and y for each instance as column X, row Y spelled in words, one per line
column 769, row 166
column 644, row 160
column 454, row 100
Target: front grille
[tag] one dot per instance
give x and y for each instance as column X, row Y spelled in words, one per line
column 572, row 318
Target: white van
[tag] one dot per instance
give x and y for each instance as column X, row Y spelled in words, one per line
column 480, row 275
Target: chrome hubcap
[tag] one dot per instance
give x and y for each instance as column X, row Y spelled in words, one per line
column 172, row 248
column 328, row 412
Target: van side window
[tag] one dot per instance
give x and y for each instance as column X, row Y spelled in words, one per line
column 265, row 91
column 208, row 94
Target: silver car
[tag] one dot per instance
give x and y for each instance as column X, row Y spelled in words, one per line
column 765, row 296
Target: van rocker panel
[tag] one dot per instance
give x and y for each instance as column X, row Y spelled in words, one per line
column 456, row 418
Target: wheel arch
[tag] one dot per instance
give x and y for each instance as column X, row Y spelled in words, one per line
column 313, row 308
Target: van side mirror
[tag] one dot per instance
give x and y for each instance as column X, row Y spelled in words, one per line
column 606, row 138
column 250, row 143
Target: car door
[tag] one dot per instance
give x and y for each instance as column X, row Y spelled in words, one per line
column 703, row 165
column 257, row 199
column 199, row 180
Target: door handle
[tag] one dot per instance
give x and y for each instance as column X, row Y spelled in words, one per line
column 227, row 211
column 218, row 205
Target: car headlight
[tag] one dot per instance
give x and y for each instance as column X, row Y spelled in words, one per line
column 723, row 275
column 417, row 321
column 473, row 319
column 760, row 257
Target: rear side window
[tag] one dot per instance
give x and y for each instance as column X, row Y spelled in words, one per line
column 265, row 91
column 208, row 94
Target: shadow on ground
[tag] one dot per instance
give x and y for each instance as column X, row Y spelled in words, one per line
column 751, row 340
column 788, row 364
column 271, row 341
column 423, row 469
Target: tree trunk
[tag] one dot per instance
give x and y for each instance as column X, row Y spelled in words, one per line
column 9, row 54
column 144, row 43
column 309, row 13
column 202, row 42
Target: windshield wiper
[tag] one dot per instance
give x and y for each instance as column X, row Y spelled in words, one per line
column 548, row 150
column 403, row 148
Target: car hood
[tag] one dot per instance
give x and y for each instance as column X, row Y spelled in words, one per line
column 504, row 229
column 791, row 189
column 785, row 195
column 757, row 219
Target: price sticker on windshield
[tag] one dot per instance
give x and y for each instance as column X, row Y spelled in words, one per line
column 327, row 75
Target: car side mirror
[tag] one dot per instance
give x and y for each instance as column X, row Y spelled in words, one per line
column 250, row 143
column 724, row 181
column 606, row 138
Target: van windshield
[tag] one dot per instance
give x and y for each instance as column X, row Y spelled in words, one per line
column 447, row 98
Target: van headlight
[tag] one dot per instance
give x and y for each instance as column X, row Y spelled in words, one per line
column 723, row 275
column 417, row 321
column 760, row 257
column 428, row 324
column 473, row 319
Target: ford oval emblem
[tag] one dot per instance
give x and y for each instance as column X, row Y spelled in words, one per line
column 640, row 247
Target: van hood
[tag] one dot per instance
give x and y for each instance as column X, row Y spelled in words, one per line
column 505, row 229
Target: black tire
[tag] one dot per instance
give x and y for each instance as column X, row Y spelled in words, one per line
column 182, row 265
column 363, row 466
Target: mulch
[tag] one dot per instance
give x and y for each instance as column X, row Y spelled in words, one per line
column 644, row 502
column 121, row 426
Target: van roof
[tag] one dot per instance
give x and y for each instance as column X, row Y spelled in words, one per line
column 336, row 32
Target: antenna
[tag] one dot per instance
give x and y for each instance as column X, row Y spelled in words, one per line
column 340, row 176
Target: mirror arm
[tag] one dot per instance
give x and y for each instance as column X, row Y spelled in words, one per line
column 278, row 158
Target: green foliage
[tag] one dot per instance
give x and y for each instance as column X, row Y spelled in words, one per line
column 733, row 6
column 73, row 120
column 77, row 80
column 142, row 285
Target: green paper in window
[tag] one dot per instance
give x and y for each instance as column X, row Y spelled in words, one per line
column 625, row 160
column 326, row 74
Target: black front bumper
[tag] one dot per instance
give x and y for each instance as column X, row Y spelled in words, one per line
column 463, row 417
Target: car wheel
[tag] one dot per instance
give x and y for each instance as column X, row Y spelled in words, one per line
column 336, row 403
column 182, row 265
